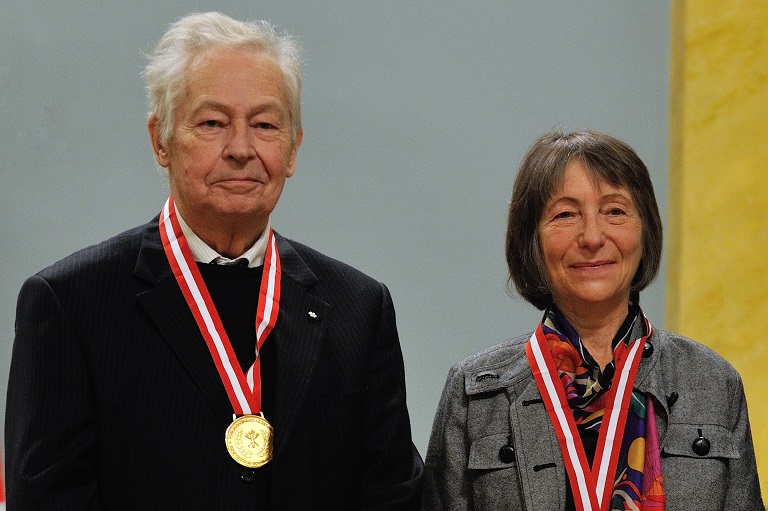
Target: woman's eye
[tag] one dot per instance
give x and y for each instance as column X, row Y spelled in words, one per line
column 616, row 212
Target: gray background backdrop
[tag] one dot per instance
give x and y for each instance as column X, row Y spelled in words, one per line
column 416, row 117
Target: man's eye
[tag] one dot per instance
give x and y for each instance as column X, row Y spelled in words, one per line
column 211, row 123
column 265, row 126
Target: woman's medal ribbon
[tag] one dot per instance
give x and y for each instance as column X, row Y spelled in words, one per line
column 592, row 488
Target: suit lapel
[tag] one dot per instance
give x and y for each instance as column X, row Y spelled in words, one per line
column 300, row 331
column 538, row 443
column 650, row 381
column 169, row 312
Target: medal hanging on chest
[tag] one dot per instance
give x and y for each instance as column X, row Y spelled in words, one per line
column 592, row 488
column 249, row 438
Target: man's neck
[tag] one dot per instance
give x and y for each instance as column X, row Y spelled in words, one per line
column 229, row 239
column 230, row 243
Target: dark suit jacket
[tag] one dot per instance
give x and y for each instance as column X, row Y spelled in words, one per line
column 114, row 401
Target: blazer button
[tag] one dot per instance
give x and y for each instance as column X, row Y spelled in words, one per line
column 647, row 350
column 701, row 445
column 507, row 452
column 672, row 399
column 248, row 476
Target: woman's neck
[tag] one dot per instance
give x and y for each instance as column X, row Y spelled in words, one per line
column 597, row 330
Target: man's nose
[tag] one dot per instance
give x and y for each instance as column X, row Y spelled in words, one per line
column 240, row 145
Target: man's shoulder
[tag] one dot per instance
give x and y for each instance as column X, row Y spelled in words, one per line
column 325, row 267
column 122, row 248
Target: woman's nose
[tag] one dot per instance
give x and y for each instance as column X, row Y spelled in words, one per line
column 592, row 235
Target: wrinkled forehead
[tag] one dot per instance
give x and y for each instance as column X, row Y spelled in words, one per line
column 211, row 71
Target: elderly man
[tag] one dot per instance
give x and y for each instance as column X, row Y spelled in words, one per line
column 203, row 361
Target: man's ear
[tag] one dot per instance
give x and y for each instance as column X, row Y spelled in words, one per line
column 158, row 147
column 294, row 152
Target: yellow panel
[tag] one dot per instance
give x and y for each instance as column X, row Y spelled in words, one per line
column 717, row 289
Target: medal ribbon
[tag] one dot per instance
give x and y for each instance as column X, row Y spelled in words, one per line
column 591, row 491
column 244, row 391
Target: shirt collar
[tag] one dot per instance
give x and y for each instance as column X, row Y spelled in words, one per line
column 205, row 254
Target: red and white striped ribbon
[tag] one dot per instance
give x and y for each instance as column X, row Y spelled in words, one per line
column 244, row 391
column 592, row 488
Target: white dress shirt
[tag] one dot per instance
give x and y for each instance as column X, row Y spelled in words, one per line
column 205, row 254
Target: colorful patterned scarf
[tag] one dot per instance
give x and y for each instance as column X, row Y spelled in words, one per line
column 639, row 484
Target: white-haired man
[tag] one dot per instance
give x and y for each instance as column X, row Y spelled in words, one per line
column 202, row 361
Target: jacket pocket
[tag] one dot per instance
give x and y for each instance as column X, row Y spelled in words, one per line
column 495, row 483
column 695, row 461
column 700, row 441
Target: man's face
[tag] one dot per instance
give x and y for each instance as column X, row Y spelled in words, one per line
column 230, row 149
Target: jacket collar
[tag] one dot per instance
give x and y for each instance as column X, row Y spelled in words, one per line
column 513, row 369
column 512, row 374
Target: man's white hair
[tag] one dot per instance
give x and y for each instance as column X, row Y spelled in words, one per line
column 166, row 72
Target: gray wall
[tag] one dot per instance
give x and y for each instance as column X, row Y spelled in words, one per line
column 416, row 117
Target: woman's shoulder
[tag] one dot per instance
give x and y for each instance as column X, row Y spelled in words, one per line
column 499, row 365
column 679, row 362
column 695, row 356
column 500, row 353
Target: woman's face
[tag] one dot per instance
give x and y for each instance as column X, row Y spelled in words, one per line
column 591, row 240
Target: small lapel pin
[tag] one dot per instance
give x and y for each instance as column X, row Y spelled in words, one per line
column 312, row 315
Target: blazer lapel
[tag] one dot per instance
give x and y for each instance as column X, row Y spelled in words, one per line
column 167, row 309
column 539, row 445
column 300, row 330
column 650, row 381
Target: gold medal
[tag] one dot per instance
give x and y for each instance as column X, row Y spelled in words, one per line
column 249, row 440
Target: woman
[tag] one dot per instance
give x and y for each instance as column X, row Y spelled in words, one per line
column 596, row 409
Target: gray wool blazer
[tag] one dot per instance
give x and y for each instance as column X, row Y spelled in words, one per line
column 491, row 399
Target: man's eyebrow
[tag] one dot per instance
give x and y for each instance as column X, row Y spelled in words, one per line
column 219, row 106
column 211, row 105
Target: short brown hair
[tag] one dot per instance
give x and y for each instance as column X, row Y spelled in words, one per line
column 540, row 176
